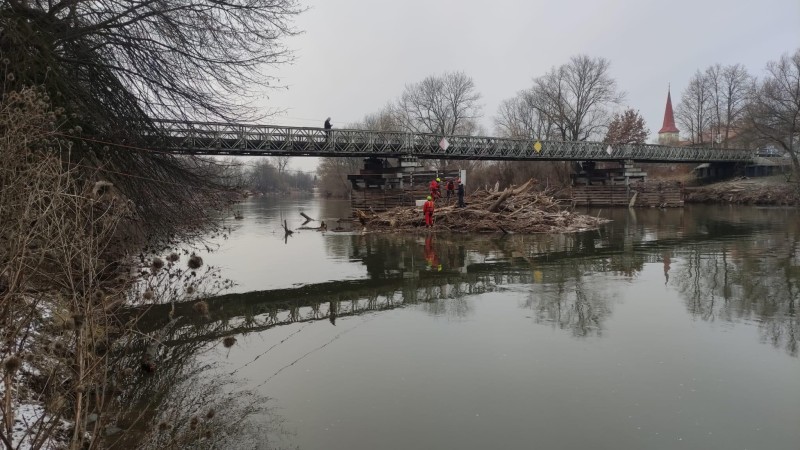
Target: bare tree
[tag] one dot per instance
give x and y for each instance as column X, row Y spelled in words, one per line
column 383, row 120
column 736, row 83
column 575, row 97
column 627, row 128
column 332, row 173
column 713, row 80
column 444, row 104
column 264, row 177
column 518, row 117
column 281, row 162
column 116, row 66
column 695, row 111
column 773, row 112
column 728, row 86
column 144, row 57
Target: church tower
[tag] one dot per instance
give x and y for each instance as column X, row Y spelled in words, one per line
column 668, row 135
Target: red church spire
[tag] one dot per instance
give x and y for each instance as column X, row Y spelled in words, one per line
column 669, row 118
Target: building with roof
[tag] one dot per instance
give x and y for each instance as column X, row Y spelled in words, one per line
column 668, row 134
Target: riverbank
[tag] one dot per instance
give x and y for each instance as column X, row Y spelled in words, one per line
column 774, row 190
column 76, row 373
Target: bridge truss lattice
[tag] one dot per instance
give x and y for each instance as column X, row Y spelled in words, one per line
column 210, row 138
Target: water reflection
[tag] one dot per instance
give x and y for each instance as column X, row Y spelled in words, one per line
column 746, row 280
column 731, row 264
column 183, row 402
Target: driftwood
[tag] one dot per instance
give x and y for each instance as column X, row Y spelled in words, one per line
column 308, row 219
column 513, row 210
column 503, row 197
column 322, row 227
column 633, row 200
column 286, row 229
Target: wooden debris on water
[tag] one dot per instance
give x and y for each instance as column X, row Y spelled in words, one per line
column 512, row 210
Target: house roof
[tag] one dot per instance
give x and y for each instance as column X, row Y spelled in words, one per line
column 669, row 118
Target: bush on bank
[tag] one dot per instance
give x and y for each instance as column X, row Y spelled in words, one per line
column 70, row 361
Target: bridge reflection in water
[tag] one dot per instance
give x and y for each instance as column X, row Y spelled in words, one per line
column 717, row 265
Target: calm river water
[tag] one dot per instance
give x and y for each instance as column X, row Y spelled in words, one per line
column 666, row 329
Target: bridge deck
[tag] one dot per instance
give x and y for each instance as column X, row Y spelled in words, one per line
column 207, row 138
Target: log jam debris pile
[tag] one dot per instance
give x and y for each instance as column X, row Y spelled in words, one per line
column 513, row 210
column 746, row 192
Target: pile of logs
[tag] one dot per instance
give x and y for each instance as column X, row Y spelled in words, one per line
column 746, row 192
column 513, row 210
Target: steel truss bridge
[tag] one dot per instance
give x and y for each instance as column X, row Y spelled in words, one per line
column 209, row 138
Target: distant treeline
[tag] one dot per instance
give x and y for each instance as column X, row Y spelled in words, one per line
column 265, row 175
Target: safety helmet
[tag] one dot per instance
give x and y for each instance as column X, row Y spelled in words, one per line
column 437, row 179
column 430, row 198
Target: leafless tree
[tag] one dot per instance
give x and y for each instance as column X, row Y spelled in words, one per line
column 695, row 111
column 115, row 66
column 773, row 110
column 728, row 86
column 444, row 104
column 627, row 128
column 383, row 120
column 575, row 97
column 281, row 162
column 232, row 172
column 518, row 117
column 172, row 59
column 264, row 177
column 332, row 173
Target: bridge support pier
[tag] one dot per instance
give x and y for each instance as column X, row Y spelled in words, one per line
column 716, row 170
column 385, row 183
column 607, row 173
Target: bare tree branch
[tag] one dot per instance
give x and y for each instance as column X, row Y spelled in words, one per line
column 575, row 98
column 445, row 104
column 773, row 110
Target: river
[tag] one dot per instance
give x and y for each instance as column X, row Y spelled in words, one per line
column 665, row 329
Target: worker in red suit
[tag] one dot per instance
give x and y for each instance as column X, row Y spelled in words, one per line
column 451, row 189
column 434, row 186
column 427, row 209
column 430, row 255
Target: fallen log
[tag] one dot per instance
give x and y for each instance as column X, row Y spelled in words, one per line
column 503, row 197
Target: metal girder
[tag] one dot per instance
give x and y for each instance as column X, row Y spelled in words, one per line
column 237, row 139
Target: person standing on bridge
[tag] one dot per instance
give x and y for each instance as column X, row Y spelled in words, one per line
column 328, row 127
column 427, row 209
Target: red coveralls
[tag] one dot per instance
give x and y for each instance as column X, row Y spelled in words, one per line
column 427, row 209
column 434, row 186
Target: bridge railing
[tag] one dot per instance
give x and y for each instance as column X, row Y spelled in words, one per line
column 224, row 138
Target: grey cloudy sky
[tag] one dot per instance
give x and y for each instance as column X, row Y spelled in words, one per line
column 355, row 56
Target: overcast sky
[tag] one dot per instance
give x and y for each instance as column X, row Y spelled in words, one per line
column 354, row 56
